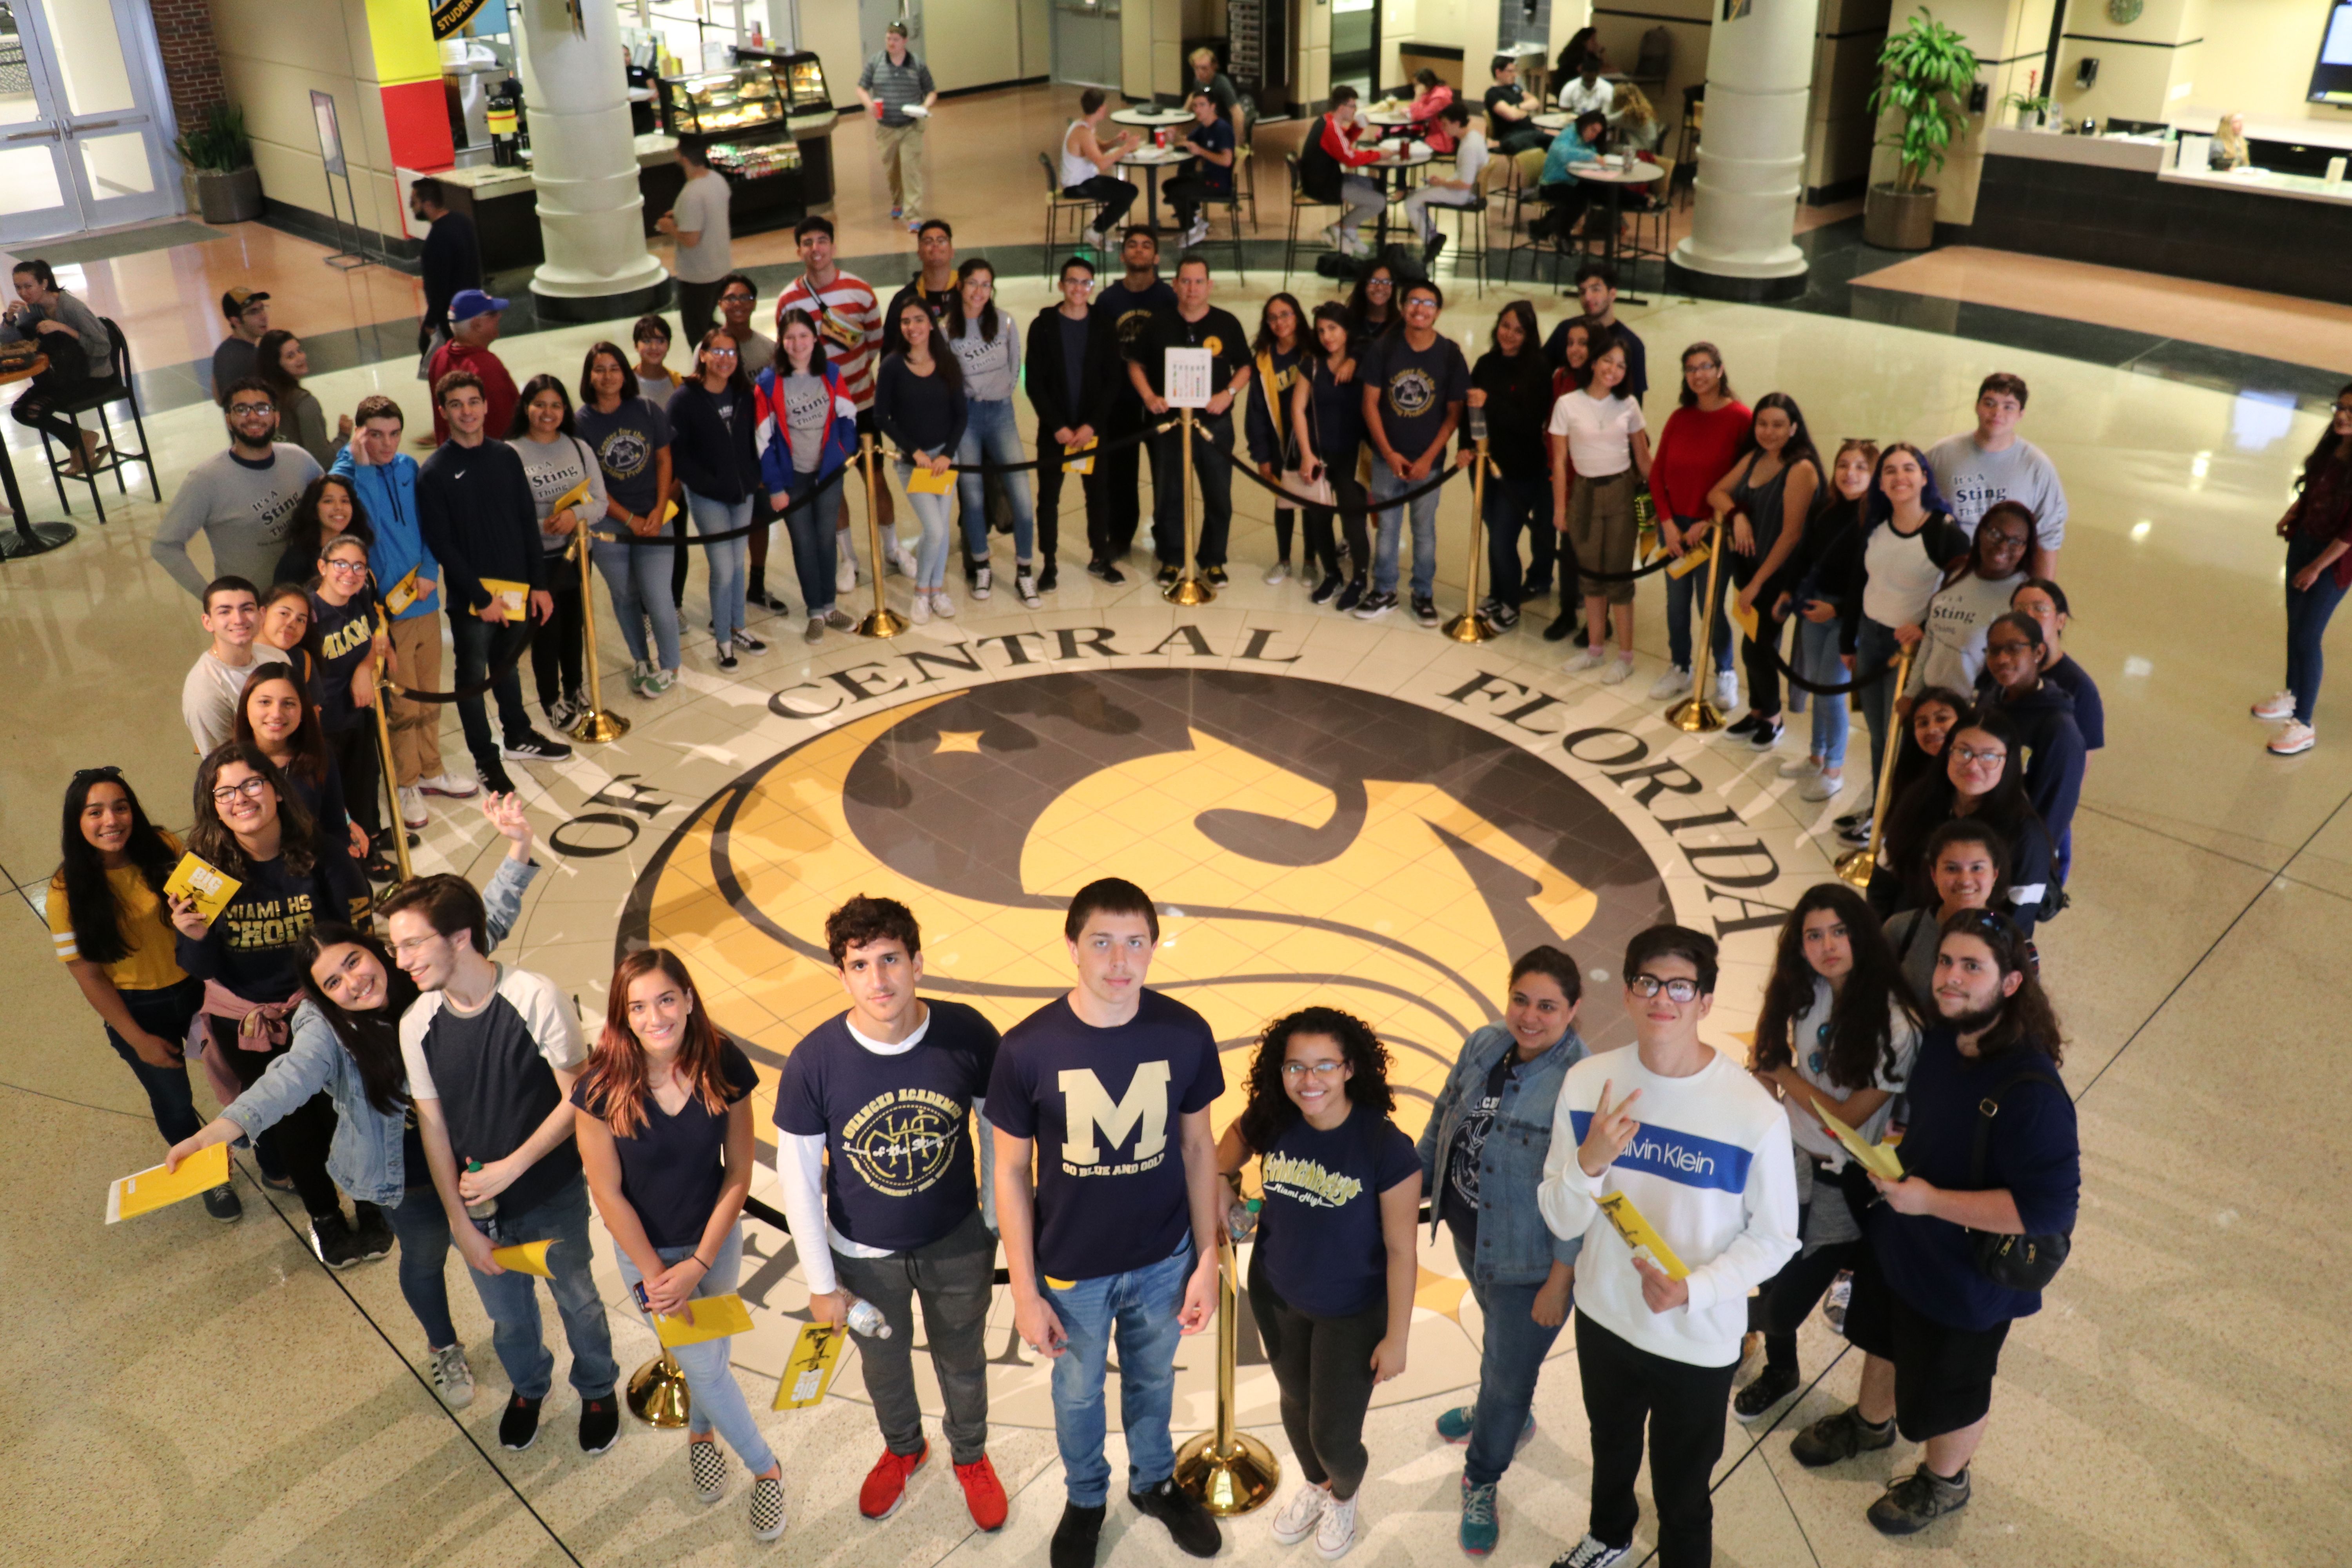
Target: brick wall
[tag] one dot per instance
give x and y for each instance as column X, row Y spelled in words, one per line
column 191, row 58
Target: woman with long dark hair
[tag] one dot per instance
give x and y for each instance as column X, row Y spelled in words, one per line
column 1908, row 543
column 557, row 462
column 346, row 619
column 1326, row 414
column 1332, row 1276
column 107, row 923
column 1601, row 453
column 251, row 827
column 1575, row 368
column 1838, row 1031
column 1766, row 498
column 814, row 438
column 714, row 419
column 1512, row 382
column 2045, row 601
column 987, row 350
column 2317, row 528
column 1982, row 778
column 1373, row 307
column 274, row 715
column 663, row 1113
column 329, row 508
column 2043, row 713
column 346, row 1046
column 1826, row 572
column 630, row 436
column 279, row 362
column 1968, row 865
column 1701, row 440
column 919, row 404
column 1280, row 349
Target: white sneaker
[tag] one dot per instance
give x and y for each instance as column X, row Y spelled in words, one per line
column 845, row 573
column 1618, row 668
column 980, row 583
column 451, row 785
column 1198, row 232
column 921, row 613
column 1338, row 1530
column 1301, row 1514
column 1800, row 767
column 1674, row 683
column 1092, row 238
column 2294, row 739
column 941, row 605
column 903, row 559
column 412, row 808
column 1727, row 690
column 1025, row 584
column 452, row 1377
column 1585, row 658
column 1277, row 572
column 1593, row 1552
column 1821, row 786
column 1333, row 238
column 2280, row 705
column 664, row 679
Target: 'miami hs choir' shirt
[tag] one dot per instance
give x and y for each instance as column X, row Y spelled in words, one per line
column 1319, row 1237
column 1103, row 1106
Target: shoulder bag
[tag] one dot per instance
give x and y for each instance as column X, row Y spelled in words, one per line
column 2012, row 1262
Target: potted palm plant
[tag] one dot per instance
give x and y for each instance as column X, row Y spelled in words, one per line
column 1924, row 73
column 219, row 160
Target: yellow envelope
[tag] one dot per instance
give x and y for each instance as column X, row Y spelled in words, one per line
column 1640, row 1235
column 921, row 481
column 1878, row 1159
column 403, row 593
column 715, row 1318
column 156, row 1188
column 1692, row 559
column 1083, row 464
column 517, row 596
column 525, row 1257
column 1744, row 620
column 569, row 498
column 808, row 1371
column 207, row 887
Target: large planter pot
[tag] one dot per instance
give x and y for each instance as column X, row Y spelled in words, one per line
column 1899, row 220
column 233, row 196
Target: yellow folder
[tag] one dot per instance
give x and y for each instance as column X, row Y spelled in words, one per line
column 1692, row 559
column 1879, row 1158
column 403, row 593
column 1081, row 458
column 808, row 1371
column 1744, row 620
column 1640, row 1235
column 156, row 1188
column 715, row 1318
column 517, row 596
column 205, row 885
column 921, row 481
column 525, row 1257
column 569, row 498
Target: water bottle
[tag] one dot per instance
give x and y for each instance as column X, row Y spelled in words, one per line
column 486, row 1208
column 866, row 1317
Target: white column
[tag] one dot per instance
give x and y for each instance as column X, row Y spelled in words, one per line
column 1760, row 69
column 585, row 163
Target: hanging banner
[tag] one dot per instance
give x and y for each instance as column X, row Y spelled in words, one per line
column 448, row 15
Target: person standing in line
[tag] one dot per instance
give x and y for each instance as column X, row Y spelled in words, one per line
column 1979, row 468
column 1598, row 436
column 475, row 509
column 987, row 349
column 629, row 433
column 1194, row 323
column 242, row 499
column 247, row 312
column 1508, row 111
column 1372, row 311
column 1066, row 392
column 1838, row 1030
column 1210, row 176
column 451, row 259
column 739, row 297
column 1124, row 313
column 1482, row 1152
column 1332, row 1276
column 492, row 1054
column 1280, row 354
column 556, row 462
column 895, row 1069
column 714, row 432
column 1573, row 373
column 1908, row 543
column 1108, row 1090
column 108, row 926
column 328, row 509
column 1759, row 509
column 2317, row 528
column 1327, row 412
column 1926, row 1314
column 1696, row 447
column 650, row 337
column 1680, row 1133
column 933, row 283
column 2055, row 753
column 208, row 697
column 1966, row 862
column 474, row 322
column 1825, row 572
column 1975, row 593
column 1415, row 382
column 808, row 437
column 919, row 404
column 663, row 1118
column 280, row 362
column 1087, row 163
column 278, row 715
column 1924, row 734
column 893, row 84
column 1982, row 778
column 2045, row 601
column 73, row 338
column 699, row 222
column 1512, row 382
column 344, row 617
column 1596, row 291
column 1459, row 190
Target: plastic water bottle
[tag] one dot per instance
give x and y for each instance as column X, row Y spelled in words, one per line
column 866, row 1317
column 487, row 1206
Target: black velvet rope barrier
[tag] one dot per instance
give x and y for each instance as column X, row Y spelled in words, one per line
column 1772, row 649
column 479, row 686
column 1371, row 502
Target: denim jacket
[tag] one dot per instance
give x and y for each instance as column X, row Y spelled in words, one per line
column 1514, row 1246
column 365, row 1156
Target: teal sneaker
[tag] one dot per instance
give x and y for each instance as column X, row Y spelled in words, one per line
column 1454, row 1426
column 1478, row 1527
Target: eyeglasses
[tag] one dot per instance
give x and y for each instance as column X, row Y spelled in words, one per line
column 719, row 353
column 242, row 409
column 1320, row 1070
column 1971, row 754
column 251, row 789
column 738, row 298
column 1677, row 990
column 2020, row 646
column 355, row 567
column 1373, row 283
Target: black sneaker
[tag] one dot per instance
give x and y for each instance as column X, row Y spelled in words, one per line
column 1105, row 571
column 726, row 659
column 1839, row 1436
column 332, row 1238
column 1168, row 574
column 1429, row 252
column 1049, row 579
column 494, row 779
column 1504, row 618
column 1424, row 609
column 519, row 1427
column 1563, row 626
column 530, row 746
column 600, row 1424
column 1374, row 606
column 1766, row 734
column 222, row 1204
column 1324, row 590
column 748, row 643
column 1077, row 1537
column 761, row 598
column 1919, row 1499
column 1855, row 838
column 1773, row 1385
column 373, row 1231
column 1743, row 726
column 1194, row 1528
column 1217, row 578
column 1349, row 597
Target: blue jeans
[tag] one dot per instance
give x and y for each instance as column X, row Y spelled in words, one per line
column 1214, row 479
column 1141, row 1308
column 931, row 549
column 1509, row 1360
column 1874, row 645
column 423, row 1227
column 512, row 1299
column 811, row 528
column 639, row 579
column 164, row 1013
column 1817, row 660
column 478, row 645
column 1513, row 505
column 727, row 579
column 1386, row 486
column 1680, row 594
column 718, row 1399
column 989, row 437
column 2307, row 611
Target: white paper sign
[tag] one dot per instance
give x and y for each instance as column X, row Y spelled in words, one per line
column 1187, row 378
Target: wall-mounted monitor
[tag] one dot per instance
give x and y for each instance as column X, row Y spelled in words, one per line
column 2331, row 78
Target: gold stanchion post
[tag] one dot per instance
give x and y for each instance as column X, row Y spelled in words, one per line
column 1855, row 866
column 882, row 622
column 1694, row 714
column 390, row 774
column 596, row 724
column 1470, row 625
column 1228, row 1472
column 1188, row 588
column 657, row 1392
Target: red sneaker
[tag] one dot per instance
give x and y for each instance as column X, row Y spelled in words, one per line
column 885, row 1483
column 982, row 1492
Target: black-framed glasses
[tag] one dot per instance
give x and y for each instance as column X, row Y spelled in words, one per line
column 1678, row 989
column 251, row 788
column 241, row 409
column 1971, row 754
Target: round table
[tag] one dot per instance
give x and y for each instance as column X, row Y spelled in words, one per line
column 1149, row 117
column 1387, row 119
column 1413, row 155
column 1151, row 160
column 1554, row 120
column 29, row 538
column 1614, row 181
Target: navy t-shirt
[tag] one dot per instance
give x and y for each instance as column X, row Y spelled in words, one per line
column 1458, row 1199
column 672, row 1167
column 1320, row 1232
column 2033, row 1152
column 2090, row 713
column 1102, row 1105
column 1415, row 387
column 627, row 443
column 1216, row 136
column 346, row 635
column 896, row 1129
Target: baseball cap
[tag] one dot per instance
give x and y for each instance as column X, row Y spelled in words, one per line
column 233, row 303
column 472, row 302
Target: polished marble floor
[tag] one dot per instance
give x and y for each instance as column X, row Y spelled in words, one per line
column 191, row 1395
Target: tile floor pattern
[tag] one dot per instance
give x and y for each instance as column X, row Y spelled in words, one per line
column 213, row 1395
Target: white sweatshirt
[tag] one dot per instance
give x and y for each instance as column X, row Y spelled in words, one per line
column 1710, row 1169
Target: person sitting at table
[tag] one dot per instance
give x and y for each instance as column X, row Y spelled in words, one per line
column 1469, row 159
column 1430, row 98
column 1563, row 192
column 1586, row 91
column 1087, row 166
column 1633, row 124
column 1208, row 78
column 1330, row 152
column 1210, row 176
column 1509, row 117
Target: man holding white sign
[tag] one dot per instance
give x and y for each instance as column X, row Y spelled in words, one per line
column 1156, row 370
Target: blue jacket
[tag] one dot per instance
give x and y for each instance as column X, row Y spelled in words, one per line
column 387, row 495
column 1514, row 1246
column 365, row 1156
column 777, row 474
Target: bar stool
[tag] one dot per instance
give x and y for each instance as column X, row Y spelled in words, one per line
column 1299, row 202
column 1056, row 204
column 118, row 387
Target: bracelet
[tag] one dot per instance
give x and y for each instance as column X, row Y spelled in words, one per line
column 706, row 1268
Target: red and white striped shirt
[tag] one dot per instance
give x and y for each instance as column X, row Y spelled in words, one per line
column 849, row 320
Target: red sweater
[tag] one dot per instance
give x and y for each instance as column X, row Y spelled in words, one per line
column 498, row 389
column 1694, row 450
column 1341, row 146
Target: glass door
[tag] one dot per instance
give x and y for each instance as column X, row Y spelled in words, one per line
column 81, row 143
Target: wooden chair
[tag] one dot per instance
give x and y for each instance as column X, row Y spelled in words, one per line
column 1056, row 204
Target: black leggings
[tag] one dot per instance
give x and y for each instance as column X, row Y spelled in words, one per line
column 361, row 764
column 1756, row 652
column 555, row 648
column 67, row 377
column 1324, row 1368
column 1778, row 1310
column 302, row 1139
column 1320, row 546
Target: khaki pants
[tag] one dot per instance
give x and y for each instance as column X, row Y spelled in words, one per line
column 416, row 726
column 902, row 165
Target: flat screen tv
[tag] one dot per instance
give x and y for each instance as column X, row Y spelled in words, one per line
column 2331, row 77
